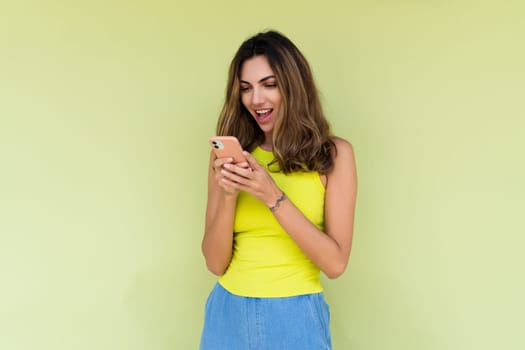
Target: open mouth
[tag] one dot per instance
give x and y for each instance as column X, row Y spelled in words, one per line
column 263, row 114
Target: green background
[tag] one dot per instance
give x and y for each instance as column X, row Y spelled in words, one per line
column 105, row 111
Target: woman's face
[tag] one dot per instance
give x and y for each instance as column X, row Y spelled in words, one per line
column 259, row 92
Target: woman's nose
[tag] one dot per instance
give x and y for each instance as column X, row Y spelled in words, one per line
column 257, row 96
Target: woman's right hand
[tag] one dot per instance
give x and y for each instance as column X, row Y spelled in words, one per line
column 219, row 169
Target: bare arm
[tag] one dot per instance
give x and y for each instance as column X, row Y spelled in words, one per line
column 329, row 250
column 220, row 212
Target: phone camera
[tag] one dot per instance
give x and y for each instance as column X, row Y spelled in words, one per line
column 217, row 144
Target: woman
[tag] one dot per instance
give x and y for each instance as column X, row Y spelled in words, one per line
column 275, row 221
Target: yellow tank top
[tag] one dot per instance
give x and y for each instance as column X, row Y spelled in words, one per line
column 266, row 262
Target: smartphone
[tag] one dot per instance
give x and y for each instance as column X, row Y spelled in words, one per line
column 227, row 146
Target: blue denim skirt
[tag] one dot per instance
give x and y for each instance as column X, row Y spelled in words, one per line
column 233, row 322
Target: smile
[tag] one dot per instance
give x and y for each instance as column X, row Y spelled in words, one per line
column 261, row 113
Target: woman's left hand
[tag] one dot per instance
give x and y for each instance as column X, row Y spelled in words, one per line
column 254, row 180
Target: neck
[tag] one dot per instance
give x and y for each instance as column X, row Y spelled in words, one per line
column 267, row 147
column 267, row 144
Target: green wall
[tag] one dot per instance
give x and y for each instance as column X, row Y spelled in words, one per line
column 105, row 108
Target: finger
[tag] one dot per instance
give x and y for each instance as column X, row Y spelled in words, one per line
column 230, row 185
column 219, row 163
column 245, row 172
column 234, row 177
column 251, row 160
column 243, row 164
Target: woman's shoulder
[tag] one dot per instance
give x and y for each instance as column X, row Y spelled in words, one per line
column 342, row 146
column 344, row 159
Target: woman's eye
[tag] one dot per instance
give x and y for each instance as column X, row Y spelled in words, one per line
column 245, row 88
column 271, row 85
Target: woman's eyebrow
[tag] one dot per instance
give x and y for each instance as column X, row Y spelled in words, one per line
column 260, row 81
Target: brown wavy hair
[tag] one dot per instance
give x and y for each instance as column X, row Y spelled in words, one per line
column 301, row 136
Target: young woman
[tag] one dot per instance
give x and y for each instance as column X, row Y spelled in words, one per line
column 275, row 221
